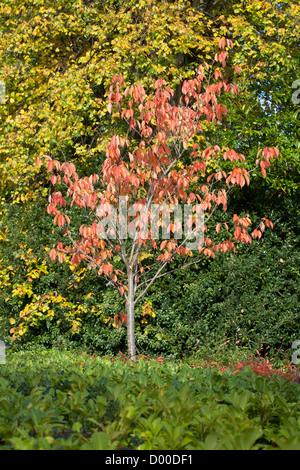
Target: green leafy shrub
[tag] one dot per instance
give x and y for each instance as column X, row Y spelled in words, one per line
column 59, row 401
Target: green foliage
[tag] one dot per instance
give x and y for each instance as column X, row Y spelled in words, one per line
column 249, row 299
column 59, row 401
column 240, row 302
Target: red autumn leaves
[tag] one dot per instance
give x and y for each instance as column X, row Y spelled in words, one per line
column 149, row 170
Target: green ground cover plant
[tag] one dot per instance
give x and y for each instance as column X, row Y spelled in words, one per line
column 52, row 399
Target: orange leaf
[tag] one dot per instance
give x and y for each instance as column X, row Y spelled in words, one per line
column 50, row 165
column 163, row 244
column 237, row 232
column 52, row 254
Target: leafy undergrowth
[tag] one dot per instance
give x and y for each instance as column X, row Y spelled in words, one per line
column 61, row 400
column 259, row 365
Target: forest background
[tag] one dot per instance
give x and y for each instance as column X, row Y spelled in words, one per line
column 57, row 63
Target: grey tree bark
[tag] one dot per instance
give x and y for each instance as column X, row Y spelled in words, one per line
column 130, row 316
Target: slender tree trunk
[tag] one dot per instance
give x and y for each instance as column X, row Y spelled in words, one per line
column 130, row 317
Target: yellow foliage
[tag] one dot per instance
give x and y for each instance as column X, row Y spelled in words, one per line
column 49, row 306
column 57, row 56
column 148, row 309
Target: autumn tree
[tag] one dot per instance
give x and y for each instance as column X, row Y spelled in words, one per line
column 160, row 162
column 57, row 62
